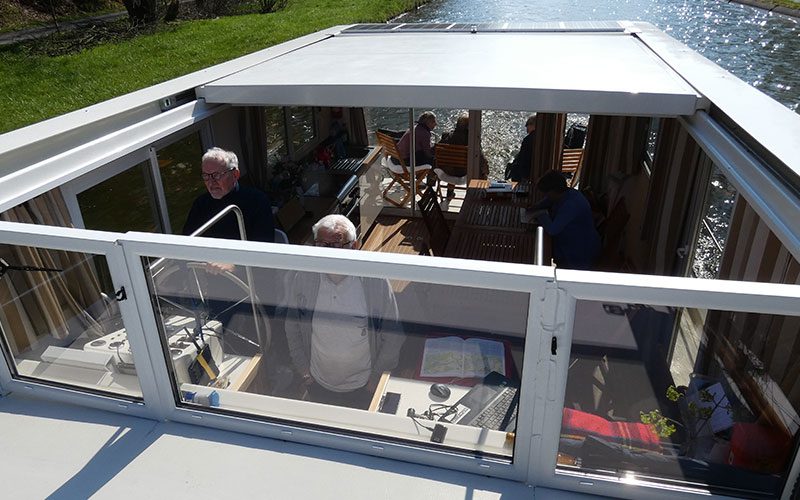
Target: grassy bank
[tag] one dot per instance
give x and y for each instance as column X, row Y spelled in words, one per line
column 15, row 16
column 33, row 88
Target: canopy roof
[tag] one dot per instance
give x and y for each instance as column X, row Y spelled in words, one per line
column 576, row 69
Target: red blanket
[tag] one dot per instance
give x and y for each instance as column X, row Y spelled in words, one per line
column 633, row 434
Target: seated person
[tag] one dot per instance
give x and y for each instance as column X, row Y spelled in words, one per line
column 422, row 138
column 343, row 332
column 520, row 168
column 220, row 172
column 576, row 243
column 460, row 136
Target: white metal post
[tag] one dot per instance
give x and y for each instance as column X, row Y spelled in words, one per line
column 413, row 162
column 158, row 185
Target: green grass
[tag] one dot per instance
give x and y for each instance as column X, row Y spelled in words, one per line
column 792, row 4
column 33, row 88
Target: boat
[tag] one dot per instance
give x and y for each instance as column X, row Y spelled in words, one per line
column 667, row 371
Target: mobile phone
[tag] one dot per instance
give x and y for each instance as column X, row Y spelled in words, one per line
column 390, row 402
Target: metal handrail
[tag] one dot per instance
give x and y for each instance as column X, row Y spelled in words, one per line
column 243, row 235
column 539, row 258
column 202, row 229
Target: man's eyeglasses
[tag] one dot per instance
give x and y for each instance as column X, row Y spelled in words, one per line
column 332, row 244
column 215, row 175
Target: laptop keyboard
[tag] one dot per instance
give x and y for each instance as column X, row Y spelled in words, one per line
column 492, row 416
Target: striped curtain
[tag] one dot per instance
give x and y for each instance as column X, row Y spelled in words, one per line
column 34, row 304
column 614, row 145
column 548, row 141
column 358, row 127
column 677, row 165
column 759, row 344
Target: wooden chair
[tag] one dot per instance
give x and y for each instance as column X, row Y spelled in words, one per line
column 432, row 216
column 397, row 169
column 450, row 157
column 571, row 163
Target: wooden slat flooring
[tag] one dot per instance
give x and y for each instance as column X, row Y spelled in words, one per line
column 397, row 235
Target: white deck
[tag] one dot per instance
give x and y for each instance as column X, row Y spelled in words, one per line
column 64, row 451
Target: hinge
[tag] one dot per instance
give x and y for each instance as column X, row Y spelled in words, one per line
column 553, row 346
column 120, row 294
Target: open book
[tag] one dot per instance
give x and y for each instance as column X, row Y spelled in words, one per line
column 456, row 357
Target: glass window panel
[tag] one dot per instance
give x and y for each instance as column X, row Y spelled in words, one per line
column 125, row 202
column 179, row 164
column 714, row 226
column 276, row 135
column 368, row 349
column 687, row 396
column 302, row 125
column 60, row 325
column 652, row 137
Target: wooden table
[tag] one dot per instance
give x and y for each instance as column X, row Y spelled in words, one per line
column 489, row 228
column 489, row 244
column 490, row 211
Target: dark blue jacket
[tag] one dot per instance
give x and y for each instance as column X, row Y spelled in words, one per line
column 255, row 206
column 576, row 243
column 520, row 168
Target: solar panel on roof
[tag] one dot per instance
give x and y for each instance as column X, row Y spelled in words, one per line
column 542, row 27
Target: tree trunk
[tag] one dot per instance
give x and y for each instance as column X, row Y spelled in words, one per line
column 142, row 11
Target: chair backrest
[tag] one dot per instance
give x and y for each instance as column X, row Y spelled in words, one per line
column 432, row 216
column 281, row 237
column 571, row 163
column 450, row 156
column 389, row 146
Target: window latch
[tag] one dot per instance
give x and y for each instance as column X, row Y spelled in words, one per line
column 120, row 294
column 553, row 346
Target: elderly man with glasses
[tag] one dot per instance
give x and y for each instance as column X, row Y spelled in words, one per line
column 343, row 331
column 220, row 173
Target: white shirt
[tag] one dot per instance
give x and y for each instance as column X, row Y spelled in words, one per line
column 340, row 354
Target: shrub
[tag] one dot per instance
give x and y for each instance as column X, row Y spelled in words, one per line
column 268, row 6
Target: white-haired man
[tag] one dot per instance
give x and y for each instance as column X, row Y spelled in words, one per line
column 343, row 331
column 220, row 173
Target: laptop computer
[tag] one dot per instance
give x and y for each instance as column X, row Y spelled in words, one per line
column 491, row 404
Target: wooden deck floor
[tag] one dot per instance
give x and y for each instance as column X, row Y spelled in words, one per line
column 397, row 235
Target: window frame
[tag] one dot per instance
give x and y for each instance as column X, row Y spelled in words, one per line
column 75, row 187
column 96, row 243
column 550, row 316
column 766, row 298
column 513, row 277
column 308, row 146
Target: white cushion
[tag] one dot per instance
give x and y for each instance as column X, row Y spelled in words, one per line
column 387, row 162
column 450, row 179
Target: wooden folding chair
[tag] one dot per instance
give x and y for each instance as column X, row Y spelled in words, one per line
column 571, row 163
column 432, row 216
column 398, row 171
column 450, row 158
